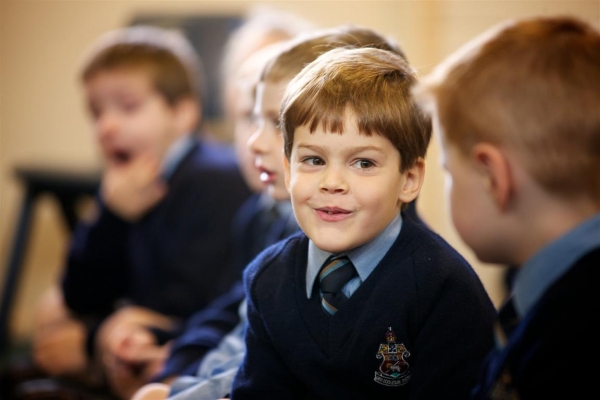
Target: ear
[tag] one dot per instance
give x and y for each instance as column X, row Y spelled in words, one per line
column 187, row 115
column 494, row 167
column 287, row 173
column 413, row 182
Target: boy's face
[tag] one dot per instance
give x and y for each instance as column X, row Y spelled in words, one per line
column 244, row 127
column 345, row 188
column 267, row 141
column 130, row 117
column 471, row 208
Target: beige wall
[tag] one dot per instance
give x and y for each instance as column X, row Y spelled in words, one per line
column 42, row 119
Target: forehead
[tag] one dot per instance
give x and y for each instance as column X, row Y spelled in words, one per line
column 120, row 80
column 134, row 74
column 350, row 137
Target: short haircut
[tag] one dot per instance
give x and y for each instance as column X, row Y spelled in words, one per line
column 374, row 84
column 532, row 86
column 306, row 47
column 166, row 55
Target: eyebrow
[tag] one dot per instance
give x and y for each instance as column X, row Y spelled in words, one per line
column 353, row 150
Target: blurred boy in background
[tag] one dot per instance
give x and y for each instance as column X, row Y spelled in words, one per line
column 518, row 112
column 159, row 245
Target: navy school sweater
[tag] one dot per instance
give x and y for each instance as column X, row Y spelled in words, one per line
column 418, row 328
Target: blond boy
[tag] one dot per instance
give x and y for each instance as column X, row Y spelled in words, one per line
column 518, row 110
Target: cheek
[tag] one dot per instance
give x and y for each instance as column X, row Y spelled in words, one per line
column 464, row 216
column 298, row 188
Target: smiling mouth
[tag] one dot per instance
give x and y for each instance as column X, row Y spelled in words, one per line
column 334, row 210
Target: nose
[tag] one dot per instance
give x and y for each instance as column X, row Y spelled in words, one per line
column 334, row 180
column 258, row 142
column 106, row 126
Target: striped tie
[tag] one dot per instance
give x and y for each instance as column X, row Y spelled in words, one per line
column 506, row 322
column 336, row 272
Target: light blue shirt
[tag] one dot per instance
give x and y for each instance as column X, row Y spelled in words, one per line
column 364, row 258
column 175, row 155
column 218, row 368
column 552, row 262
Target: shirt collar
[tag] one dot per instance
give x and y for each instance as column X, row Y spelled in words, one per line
column 365, row 258
column 552, row 262
column 175, row 154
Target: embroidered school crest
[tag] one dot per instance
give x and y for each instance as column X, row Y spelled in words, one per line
column 503, row 389
column 394, row 370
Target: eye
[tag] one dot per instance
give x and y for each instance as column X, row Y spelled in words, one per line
column 95, row 112
column 131, row 106
column 313, row 161
column 364, row 164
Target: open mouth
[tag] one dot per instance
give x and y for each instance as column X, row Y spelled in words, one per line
column 266, row 176
column 120, row 156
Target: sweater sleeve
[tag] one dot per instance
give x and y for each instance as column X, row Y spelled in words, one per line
column 203, row 332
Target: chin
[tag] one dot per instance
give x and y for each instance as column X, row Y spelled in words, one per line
column 331, row 245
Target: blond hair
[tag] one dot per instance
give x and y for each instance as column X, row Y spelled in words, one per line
column 531, row 85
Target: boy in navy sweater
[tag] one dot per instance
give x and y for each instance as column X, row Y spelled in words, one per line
column 159, row 247
column 519, row 115
column 396, row 311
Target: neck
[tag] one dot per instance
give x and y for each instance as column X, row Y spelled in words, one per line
column 547, row 219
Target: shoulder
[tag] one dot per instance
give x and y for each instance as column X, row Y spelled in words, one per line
column 434, row 259
column 213, row 154
column 210, row 167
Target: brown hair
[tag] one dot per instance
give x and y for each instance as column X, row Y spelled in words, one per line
column 374, row 84
column 533, row 86
column 167, row 55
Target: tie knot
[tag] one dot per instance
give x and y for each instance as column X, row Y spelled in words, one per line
column 334, row 275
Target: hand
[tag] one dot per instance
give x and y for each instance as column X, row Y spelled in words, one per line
column 130, row 190
column 59, row 349
column 134, row 361
column 152, row 391
column 127, row 350
column 127, row 319
column 58, row 340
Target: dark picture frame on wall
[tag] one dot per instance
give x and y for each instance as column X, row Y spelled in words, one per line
column 208, row 35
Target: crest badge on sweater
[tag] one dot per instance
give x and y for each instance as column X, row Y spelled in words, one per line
column 394, row 370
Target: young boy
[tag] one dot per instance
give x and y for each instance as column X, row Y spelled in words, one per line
column 518, row 110
column 397, row 311
column 159, row 247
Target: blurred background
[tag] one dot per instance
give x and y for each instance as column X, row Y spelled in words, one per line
column 44, row 127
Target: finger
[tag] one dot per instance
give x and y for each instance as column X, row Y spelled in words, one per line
column 152, row 391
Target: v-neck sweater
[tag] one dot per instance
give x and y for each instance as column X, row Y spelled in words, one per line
column 422, row 291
